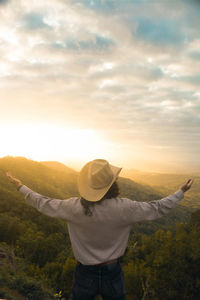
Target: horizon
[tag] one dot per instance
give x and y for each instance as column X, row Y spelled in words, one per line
column 124, row 172
column 101, row 79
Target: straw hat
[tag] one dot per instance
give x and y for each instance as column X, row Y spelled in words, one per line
column 95, row 179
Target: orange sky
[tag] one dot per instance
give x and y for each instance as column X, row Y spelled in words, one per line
column 101, row 79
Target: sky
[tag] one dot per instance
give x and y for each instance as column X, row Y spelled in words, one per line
column 112, row 79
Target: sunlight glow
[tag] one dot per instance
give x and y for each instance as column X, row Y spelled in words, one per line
column 48, row 142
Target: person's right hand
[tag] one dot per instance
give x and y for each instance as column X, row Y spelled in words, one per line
column 187, row 185
column 14, row 180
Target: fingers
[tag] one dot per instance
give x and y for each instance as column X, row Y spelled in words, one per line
column 9, row 175
column 187, row 185
column 190, row 182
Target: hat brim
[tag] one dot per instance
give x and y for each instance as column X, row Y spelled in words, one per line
column 85, row 189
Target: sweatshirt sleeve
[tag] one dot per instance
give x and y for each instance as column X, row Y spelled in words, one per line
column 147, row 211
column 51, row 207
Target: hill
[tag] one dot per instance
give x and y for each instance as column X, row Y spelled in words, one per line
column 58, row 166
column 45, row 178
column 56, row 180
column 168, row 183
column 39, row 246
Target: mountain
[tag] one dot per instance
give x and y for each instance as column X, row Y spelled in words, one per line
column 45, row 178
column 35, row 250
column 56, row 180
column 168, row 183
column 58, row 166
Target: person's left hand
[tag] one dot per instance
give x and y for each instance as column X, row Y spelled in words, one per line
column 187, row 185
column 14, row 180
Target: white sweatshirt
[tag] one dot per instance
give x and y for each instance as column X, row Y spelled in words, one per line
column 104, row 235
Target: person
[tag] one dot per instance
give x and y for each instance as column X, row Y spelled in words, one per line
column 99, row 224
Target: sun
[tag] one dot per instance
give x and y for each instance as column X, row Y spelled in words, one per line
column 51, row 142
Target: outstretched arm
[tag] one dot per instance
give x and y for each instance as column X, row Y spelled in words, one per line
column 48, row 206
column 148, row 211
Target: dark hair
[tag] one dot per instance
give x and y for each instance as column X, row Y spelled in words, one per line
column 113, row 192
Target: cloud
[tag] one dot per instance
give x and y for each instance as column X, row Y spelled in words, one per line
column 195, row 55
column 106, row 6
column 97, row 64
column 98, row 43
column 158, row 32
column 3, row 2
column 34, row 21
column 193, row 80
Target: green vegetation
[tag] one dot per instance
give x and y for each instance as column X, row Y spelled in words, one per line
column 168, row 183
column 165, row 265
column 162, row 260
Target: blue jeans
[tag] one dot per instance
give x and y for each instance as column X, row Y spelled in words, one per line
column 107, row 281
